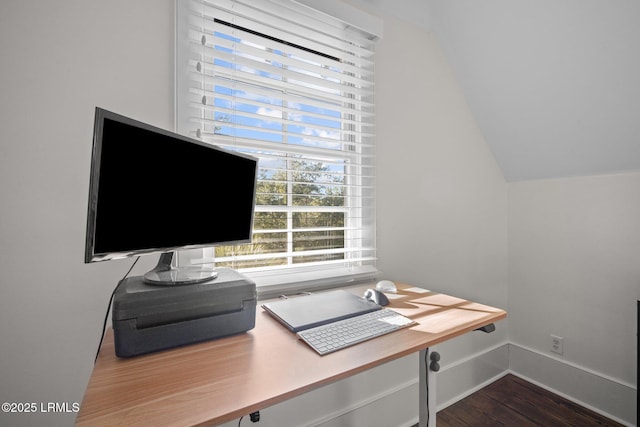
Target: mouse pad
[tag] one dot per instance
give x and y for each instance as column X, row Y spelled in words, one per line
column 305, row 312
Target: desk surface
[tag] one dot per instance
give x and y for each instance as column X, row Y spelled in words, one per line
column 221, row 380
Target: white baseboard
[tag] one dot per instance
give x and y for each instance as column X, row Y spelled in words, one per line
column 607, row 396
column 364, row 402
column 396, row 393
column 454, row 381
column 459, row 379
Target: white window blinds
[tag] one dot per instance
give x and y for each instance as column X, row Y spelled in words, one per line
column 294, row 88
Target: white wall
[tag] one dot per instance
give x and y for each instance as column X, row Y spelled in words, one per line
column 553, row 84
column 59, row 60
column 442, row 200
column 574, row 271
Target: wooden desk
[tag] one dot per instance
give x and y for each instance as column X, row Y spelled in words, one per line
column 218, row 381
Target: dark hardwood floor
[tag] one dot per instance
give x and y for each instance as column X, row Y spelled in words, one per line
column 512, row 401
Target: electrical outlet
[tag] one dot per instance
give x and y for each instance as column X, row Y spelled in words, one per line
column 557, row 344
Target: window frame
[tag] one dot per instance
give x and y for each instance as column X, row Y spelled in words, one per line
column 290, row 279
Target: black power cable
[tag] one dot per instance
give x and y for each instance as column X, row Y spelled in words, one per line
column 254, row 417
column 106, row 316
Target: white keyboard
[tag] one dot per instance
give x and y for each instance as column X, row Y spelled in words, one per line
column 344, row 333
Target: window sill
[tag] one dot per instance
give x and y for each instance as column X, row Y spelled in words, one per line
column 272, row 284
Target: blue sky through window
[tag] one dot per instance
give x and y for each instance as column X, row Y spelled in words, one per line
column 270, row 118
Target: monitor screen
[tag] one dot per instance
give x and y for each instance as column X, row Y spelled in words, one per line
column 152, row 190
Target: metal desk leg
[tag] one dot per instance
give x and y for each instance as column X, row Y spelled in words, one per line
column 426, row 392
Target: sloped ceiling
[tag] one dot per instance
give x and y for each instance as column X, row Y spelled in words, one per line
column 554, row 84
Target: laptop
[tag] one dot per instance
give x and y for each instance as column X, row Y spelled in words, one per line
column 304, row 312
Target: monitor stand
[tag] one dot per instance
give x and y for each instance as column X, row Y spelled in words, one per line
column 165, row 274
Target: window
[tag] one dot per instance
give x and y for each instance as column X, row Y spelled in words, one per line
column 294, row 88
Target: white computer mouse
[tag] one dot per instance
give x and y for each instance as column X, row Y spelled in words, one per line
column 386, row 286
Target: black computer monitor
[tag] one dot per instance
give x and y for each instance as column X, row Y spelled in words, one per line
column 152, row 190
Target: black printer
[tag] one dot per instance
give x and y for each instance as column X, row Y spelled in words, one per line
column 148, row 318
